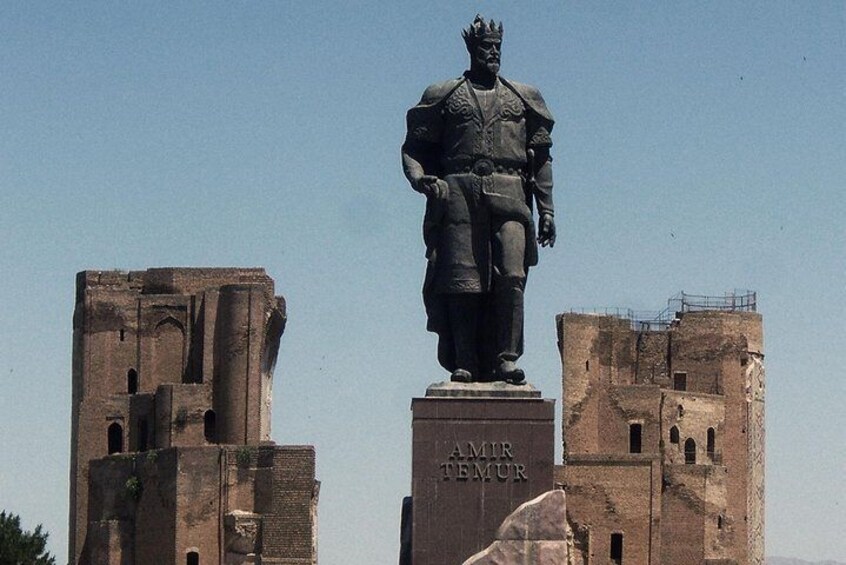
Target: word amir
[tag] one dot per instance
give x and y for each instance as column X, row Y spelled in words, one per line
column 484, row 461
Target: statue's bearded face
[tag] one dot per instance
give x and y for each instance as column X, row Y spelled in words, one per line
column 485, row 54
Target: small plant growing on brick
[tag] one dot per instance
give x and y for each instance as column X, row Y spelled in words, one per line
column 134, row 487
column 152, row 456
column 242, row 456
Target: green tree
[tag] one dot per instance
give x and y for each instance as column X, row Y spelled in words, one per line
column 18, row 547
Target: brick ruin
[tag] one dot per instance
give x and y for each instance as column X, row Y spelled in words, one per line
column 171, row 457
column 663, row 430
column 172, row 462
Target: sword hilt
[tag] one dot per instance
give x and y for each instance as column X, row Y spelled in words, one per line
column 530, row 177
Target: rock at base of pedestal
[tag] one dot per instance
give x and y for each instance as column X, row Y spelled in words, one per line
column 534, row 534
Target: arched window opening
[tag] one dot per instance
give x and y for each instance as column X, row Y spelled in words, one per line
column 681, row 411
column 720, row 522
column 674, row 435
column 679, row 381
column 132, row 381
column 210, row 426
column 122, row 334
column 617, row 548
column 711, row 442
column 635, row 438
column 142, row 434
column 690, row 451
column 192, row 558
column 115, row 438
column 587, row 365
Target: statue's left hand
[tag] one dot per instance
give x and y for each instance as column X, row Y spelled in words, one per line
column 546, row 233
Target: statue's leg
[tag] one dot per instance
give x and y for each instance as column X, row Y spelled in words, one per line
column 509, row 250
column 463, row 319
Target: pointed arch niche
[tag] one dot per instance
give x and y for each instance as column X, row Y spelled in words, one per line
column 690, row 451
column 168, row 351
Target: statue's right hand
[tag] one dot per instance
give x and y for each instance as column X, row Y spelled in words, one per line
column 432, row 186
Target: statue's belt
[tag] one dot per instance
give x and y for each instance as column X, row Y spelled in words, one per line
column 504, row 200
column 484, row 167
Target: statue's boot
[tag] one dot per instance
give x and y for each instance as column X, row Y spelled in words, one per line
column 508, row 298
column 463, row 316
column 461, row 376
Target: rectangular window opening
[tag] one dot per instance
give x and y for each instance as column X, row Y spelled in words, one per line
column 635, row 438
column 679, row 381
column 617, row 549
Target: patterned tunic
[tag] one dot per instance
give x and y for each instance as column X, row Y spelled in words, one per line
column 478, row 144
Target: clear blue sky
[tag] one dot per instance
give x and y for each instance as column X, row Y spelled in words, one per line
column 699, row 146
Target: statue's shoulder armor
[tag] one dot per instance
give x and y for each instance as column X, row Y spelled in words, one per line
column 531, row 97
column 424, row 121
column 437, row 92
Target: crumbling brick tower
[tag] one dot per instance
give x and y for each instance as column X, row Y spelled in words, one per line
column 663, row 429
column 171, row 458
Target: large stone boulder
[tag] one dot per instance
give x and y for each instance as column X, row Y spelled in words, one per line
column 534, row 534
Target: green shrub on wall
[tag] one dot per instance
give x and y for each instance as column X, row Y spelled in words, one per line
column 134, row 487
column 242, row 456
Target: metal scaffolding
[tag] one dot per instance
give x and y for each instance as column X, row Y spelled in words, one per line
column 645, row 321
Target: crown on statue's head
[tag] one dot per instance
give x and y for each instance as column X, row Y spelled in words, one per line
column 480, row 29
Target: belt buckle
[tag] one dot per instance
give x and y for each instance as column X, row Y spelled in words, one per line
column 483, row 167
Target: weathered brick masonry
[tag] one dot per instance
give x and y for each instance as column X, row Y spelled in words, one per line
column 171, row 458
column 663, row 438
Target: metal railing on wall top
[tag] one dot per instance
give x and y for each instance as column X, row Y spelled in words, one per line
column 645, row 320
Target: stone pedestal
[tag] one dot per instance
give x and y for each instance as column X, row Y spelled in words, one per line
column 479, row 452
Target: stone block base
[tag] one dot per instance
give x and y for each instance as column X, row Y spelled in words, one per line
column 475, row 459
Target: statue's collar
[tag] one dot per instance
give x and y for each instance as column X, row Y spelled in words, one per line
column 472, row 85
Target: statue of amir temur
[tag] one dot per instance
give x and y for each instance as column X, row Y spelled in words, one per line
column 478, row 148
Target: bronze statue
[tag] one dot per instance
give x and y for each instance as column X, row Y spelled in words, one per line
column 478, row 148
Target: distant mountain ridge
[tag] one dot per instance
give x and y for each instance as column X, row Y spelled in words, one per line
column 793, row 561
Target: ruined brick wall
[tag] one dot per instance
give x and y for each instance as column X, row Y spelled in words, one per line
column 613, row 495
column 755, row 464
column 104, row 351
column 158, row 506
column 164, row 332
column 106, row 543
column 181, row 412
column 623, row 406
column 198, row 504
column 167, row 364
column 289, row 522
column 241, row 325
column 142, row 421
column 652, row 358
column 692, row 415
column 580, row 360
column 138, row 491
column 242, row 476
column 707, row 437
column 682, row 510
column 600, row 351
column 720, row 346
column 165, row 501
column 109, row 498
column 155, row 514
